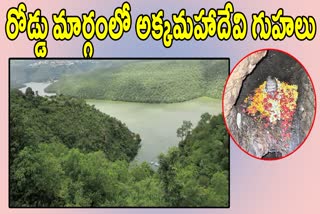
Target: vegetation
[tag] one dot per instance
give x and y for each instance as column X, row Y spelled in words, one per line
column 161, row 81
column 65, row 153
column 24, row 71
column 196, row 173
column 35, row 119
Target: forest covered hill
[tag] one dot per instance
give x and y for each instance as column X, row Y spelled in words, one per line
column 158, row 81
column 65, row 153
column 35, row 119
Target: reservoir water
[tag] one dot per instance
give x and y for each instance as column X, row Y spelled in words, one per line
column 156, row 123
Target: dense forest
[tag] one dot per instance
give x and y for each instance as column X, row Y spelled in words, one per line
column 65, row 153
column 160, row 81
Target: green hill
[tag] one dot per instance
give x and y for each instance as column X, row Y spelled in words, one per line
column 36, row 119
column 159, row 81
column 195, row 174
column 65, row 153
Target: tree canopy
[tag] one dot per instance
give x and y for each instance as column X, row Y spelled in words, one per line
column 159, row 81
column 65, row 153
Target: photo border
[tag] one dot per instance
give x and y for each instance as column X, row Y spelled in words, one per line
column 118, row 58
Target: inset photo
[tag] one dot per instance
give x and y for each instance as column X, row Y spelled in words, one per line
column 269, row 104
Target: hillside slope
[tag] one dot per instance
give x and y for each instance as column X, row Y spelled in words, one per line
column 35, row 119
column 161, row 81
column 65, row 153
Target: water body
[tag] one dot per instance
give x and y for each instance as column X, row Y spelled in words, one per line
column 156, row 123
column 39, row 87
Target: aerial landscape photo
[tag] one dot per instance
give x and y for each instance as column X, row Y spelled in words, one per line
column 118, row 133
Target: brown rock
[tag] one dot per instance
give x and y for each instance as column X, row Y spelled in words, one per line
column 234, row 84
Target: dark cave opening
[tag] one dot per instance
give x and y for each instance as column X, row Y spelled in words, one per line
column 275, row 64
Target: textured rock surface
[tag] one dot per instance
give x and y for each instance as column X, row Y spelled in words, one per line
column 234, row 84
column 251, row 136
column 306, row 106
column 233, row 87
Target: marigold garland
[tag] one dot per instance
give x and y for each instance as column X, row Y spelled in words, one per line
column 273, row 108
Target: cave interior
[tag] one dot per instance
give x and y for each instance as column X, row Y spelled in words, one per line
column 287, row 69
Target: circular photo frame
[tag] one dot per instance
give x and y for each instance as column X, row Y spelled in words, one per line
column 269, row 104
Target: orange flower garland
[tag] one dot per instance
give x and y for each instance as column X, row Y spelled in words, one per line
column 274, row 108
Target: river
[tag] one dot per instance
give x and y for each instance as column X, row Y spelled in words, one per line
column 156, row 123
